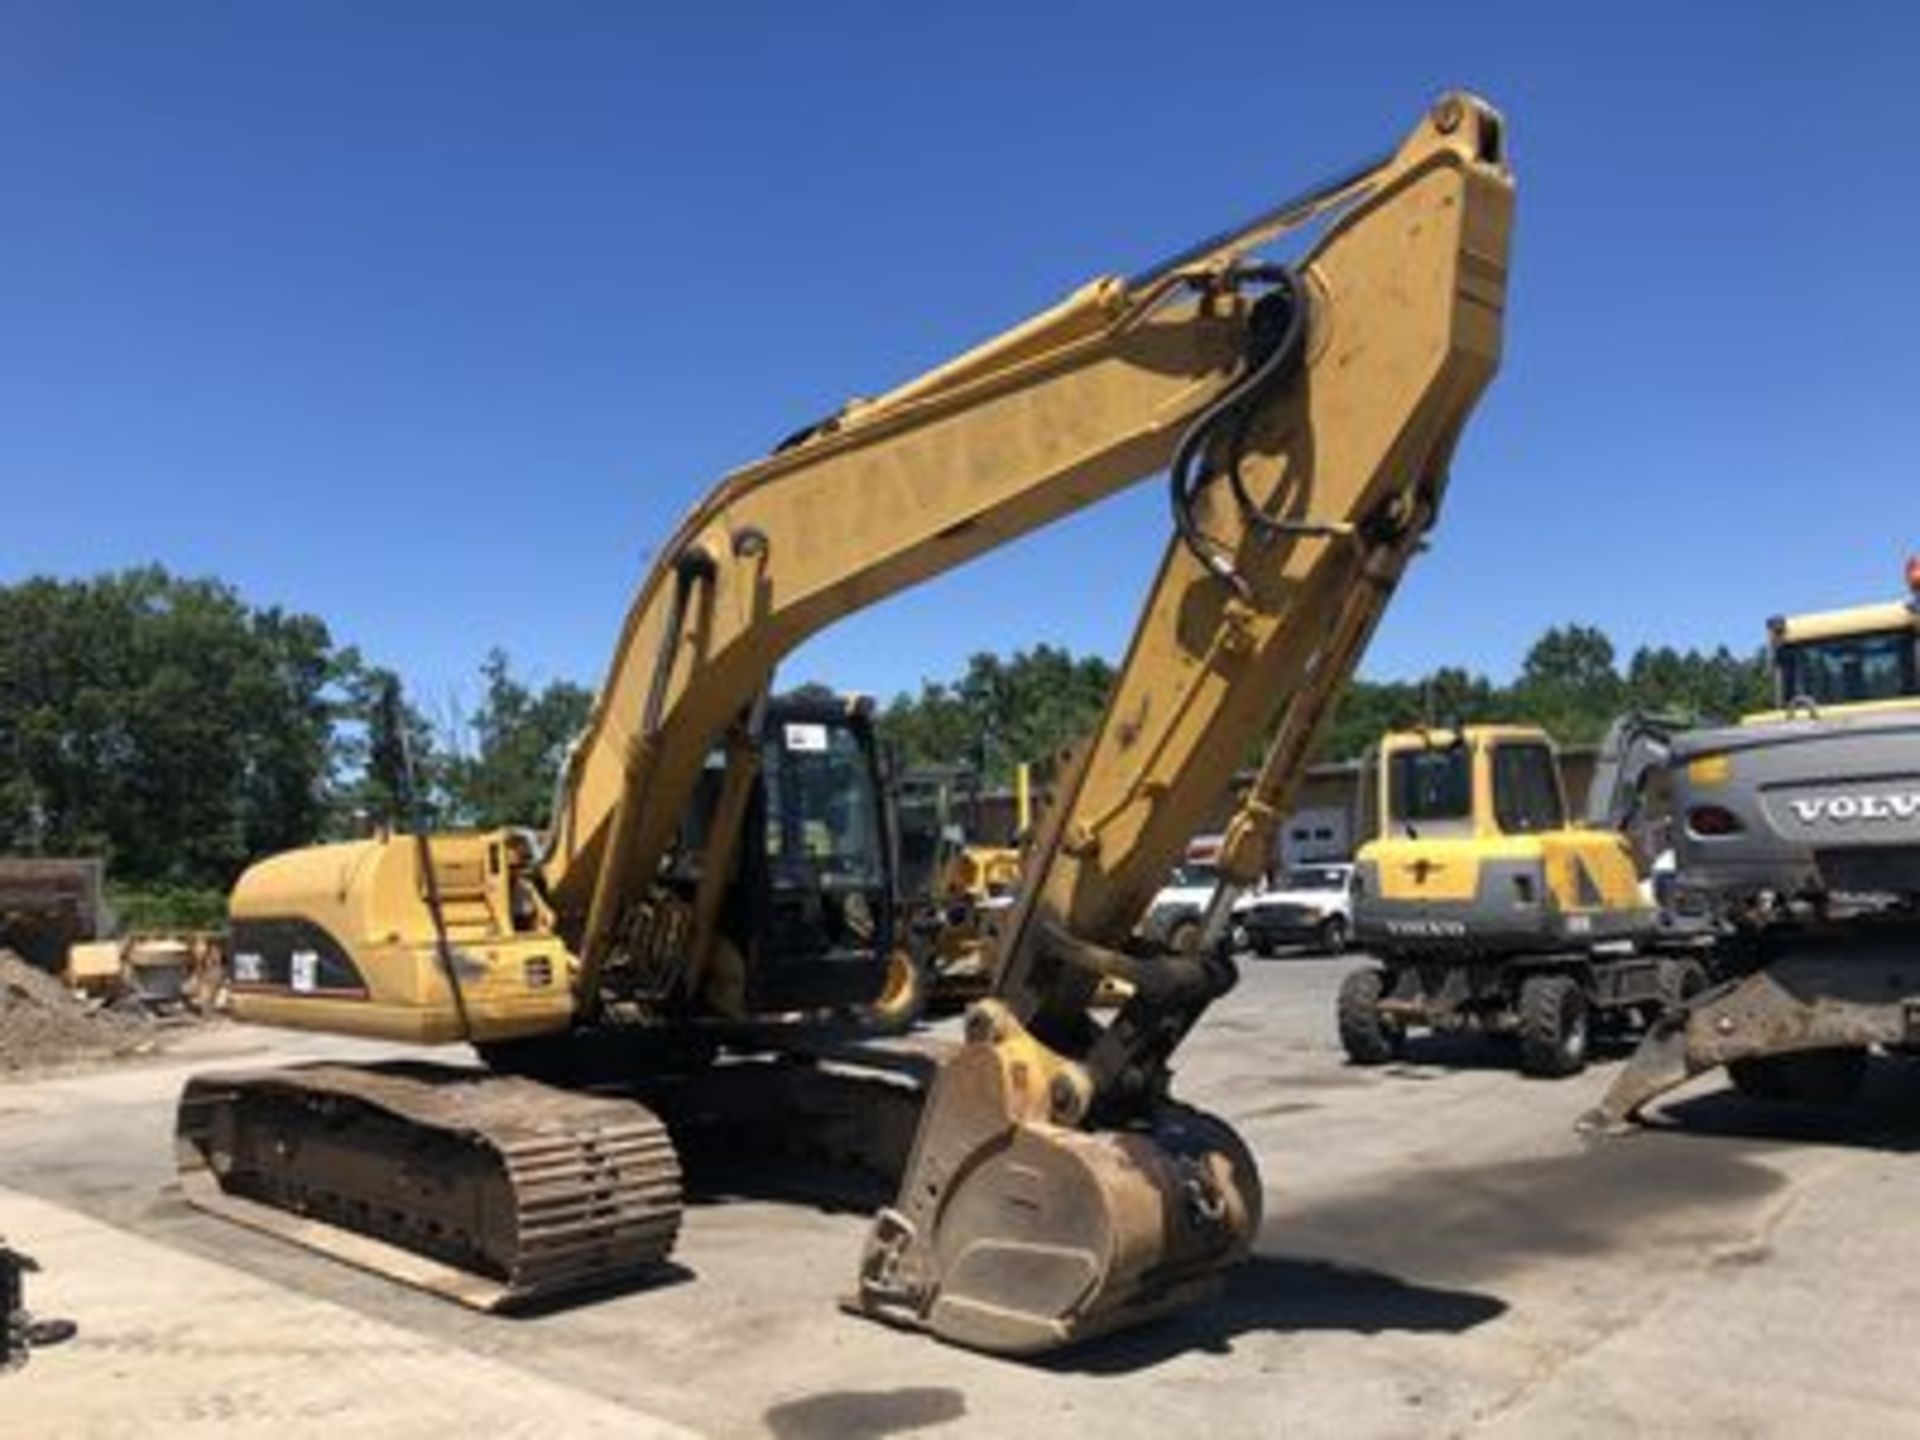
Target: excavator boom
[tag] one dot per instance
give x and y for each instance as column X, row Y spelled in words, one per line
column 1399, row 311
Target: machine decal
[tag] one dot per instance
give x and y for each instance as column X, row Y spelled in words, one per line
column 806, row 738
column 293, row 956
column 1451, row 929
column 1843, row 809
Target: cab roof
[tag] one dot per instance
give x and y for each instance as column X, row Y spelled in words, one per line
column 1855, row 620
column 1440, row 737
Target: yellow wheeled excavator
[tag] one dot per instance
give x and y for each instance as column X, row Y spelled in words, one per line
column 1304, row 412
column 1489, row 908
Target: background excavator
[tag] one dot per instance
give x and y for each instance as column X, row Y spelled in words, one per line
column 1304, row 414
column 1798, row 832
column 954, row 887
column 1490, row 908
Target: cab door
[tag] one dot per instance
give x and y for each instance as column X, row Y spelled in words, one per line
column 1590, row 877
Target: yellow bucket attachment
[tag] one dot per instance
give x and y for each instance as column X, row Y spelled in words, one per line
column 1016, row 1233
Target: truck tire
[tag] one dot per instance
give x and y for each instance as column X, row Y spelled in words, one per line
column 1184, row 937
column 1680, row 981
column 1332, row 937
column 1368, row 1037
column 1815, row 1077
column 1553, row 1026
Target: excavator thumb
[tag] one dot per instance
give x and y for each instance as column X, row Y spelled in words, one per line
column 1016, row 1232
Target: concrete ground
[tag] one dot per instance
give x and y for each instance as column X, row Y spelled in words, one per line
column 1441, row 1256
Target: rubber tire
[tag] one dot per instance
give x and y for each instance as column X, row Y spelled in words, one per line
column 1332, row 937
column 1680, row 981
column 909, row 993
column 1812, row 1077
column 1184, row 937
column 1368, row 1037
column 1553, row 1029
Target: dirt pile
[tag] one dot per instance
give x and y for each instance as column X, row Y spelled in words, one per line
column 42, row 1024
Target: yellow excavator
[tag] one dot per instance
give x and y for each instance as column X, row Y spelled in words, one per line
column 954, row 888
column 1487, row 907
column 1304, row 412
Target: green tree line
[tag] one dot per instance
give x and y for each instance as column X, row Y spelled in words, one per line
column 177, row 731
column 1030, row 705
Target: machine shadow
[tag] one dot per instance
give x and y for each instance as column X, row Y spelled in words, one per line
column 712, row 1175
column 665, row 1276
column 1471, row 1051
column 1280, row 1292
column 864, row 1414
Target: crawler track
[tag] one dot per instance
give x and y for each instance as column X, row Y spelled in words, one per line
column 493, row 1191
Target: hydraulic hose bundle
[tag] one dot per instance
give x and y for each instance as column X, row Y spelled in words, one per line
column 1214, row 444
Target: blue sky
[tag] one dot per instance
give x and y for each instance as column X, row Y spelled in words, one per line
column 433, row 318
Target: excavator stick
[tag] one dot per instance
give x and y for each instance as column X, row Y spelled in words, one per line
column 492, row 1191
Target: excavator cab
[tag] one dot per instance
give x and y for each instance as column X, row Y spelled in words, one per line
column 805, row 901
column 813, row 904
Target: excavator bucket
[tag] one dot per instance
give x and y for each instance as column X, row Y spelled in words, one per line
column 1015, row 1234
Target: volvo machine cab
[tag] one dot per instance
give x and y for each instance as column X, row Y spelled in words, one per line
column 1475, row 852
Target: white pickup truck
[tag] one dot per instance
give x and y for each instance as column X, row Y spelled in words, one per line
column 1311, row 906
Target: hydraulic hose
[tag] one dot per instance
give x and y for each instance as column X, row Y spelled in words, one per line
column 1276, row 349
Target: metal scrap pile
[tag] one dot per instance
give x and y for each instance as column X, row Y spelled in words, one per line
column 43, row 1024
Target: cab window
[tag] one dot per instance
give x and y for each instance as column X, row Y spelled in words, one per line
column 1526, row 790
column 822, row 811
column 1849, row 668
column 1194, row 874
column 1429, row 785
column 1315, row 877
